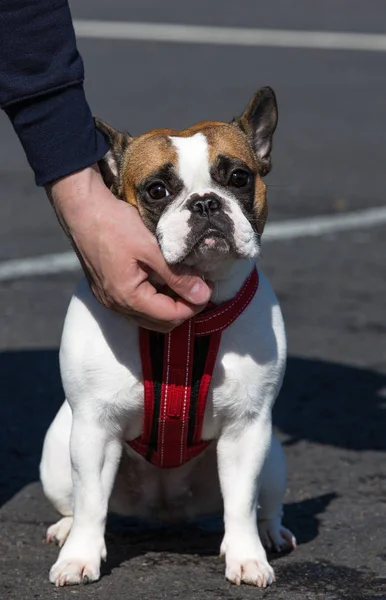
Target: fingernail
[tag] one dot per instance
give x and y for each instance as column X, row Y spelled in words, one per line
column 199, row 293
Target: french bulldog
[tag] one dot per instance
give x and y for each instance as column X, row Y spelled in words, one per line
column 178, row 426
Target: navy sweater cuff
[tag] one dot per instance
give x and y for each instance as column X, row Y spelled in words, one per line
column 57, row 132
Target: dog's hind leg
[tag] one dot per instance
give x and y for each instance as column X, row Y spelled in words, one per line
column 273, row 534
column 55, row 473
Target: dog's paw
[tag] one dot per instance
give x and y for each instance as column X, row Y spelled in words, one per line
column 276, row 537
column 78, row 563
column 73, row 572
column 246, row 563
column 253, row 571
column 58, row 533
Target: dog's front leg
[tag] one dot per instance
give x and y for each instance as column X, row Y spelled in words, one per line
column 241, row 451
column 95, row 454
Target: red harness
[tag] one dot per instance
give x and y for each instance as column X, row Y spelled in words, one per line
column 177, row 369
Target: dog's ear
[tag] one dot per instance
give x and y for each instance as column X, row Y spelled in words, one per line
column 111, row 164
column 258, row 122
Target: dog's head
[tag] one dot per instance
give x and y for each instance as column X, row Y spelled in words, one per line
column 198, row 190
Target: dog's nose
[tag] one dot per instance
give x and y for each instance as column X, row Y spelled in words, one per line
column 205, row 205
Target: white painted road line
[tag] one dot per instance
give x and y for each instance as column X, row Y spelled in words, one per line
column 50, row 264
column 47, row 264
column 313, row 226
column 230, row 36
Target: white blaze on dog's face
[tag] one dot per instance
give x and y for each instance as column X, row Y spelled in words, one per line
column 199, row 190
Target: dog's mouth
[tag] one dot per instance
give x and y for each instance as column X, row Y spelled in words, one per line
column 212, row 244
column 212, row 241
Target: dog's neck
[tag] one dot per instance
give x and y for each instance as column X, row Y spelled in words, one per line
column 228, row 278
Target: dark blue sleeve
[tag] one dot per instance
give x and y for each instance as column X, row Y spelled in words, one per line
column 41, row 88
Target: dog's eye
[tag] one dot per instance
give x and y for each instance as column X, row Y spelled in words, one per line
column 239, row 178
column 157, row 191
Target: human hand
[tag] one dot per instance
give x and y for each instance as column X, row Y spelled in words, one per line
column 118, row 252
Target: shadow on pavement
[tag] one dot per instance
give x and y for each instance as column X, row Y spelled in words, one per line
column 332, row 404
column 322, row 402
column 302, row 517
column 128, row 538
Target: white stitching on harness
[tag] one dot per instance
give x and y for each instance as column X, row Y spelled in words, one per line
column 234, row 317
column 185, row 393
column 165, row 401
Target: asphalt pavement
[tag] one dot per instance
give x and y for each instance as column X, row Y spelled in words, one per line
column 329, row 158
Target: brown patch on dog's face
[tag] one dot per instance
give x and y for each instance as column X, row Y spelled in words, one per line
column 260, row 205
column 226, row 139
column 146, row 157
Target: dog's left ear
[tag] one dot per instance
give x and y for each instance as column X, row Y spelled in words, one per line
column 111, row 164
column 258, row 122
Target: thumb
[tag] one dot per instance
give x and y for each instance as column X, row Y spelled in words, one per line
column 182, row 281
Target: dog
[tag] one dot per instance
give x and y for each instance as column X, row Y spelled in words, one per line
column 177, row 426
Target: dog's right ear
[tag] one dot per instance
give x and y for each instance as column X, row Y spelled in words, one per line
column 258, row 122
column 111, row 164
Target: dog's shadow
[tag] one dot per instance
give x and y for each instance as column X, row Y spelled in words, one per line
column 129, row 538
